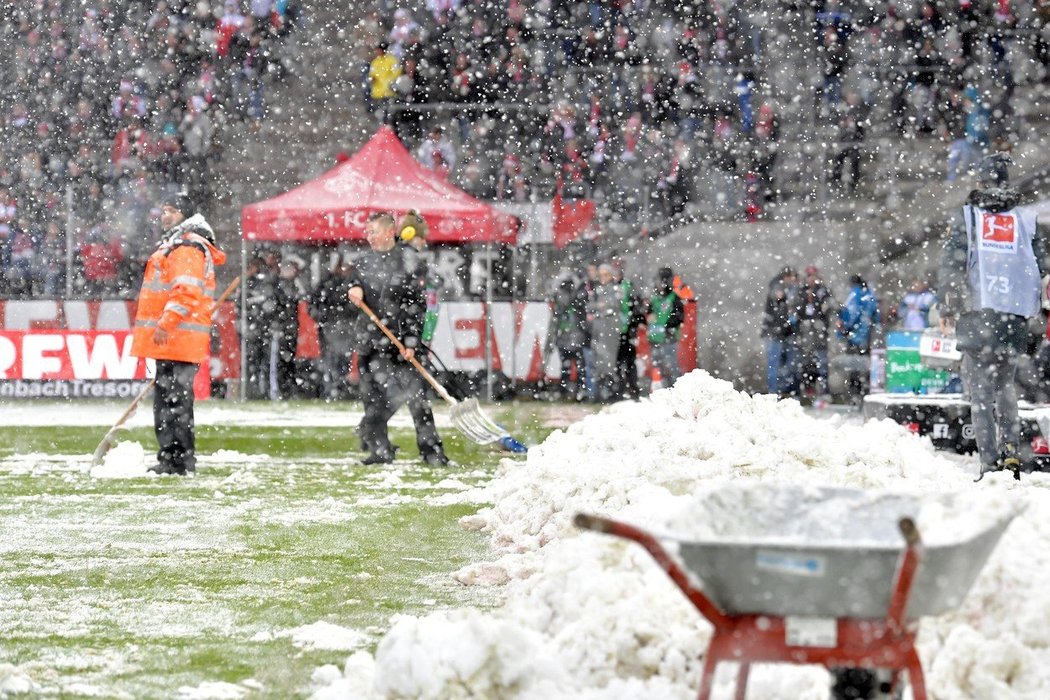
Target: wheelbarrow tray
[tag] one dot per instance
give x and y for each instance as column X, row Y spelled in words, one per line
column 838, row 579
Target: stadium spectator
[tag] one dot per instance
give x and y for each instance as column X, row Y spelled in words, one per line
column 604, row 312
column 859, row 320
column 813, row 312
column 437, row 153
column 569, row 333
column 664, row 318
column 100, row 258
column 331, row 308
column 914, row 310
column 631, row 315
column 260, row 307
column 288, row 291
column 382, row 73
column 777, row 329
column 851, row 135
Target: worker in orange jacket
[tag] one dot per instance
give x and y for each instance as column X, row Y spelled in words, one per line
column 173, row 326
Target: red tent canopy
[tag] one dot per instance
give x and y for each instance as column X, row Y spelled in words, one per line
column 382, row 176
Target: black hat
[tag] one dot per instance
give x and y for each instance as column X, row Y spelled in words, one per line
column 665, row 274
column 180, row 201
column 992, row 170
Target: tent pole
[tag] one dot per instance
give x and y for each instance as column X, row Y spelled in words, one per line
column 488, row 322
column 69, row 241
column 243, row 325
column 514, row 311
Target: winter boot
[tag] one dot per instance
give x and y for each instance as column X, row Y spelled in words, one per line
column 379, row 458
column 436, row 458
column 1009, row 459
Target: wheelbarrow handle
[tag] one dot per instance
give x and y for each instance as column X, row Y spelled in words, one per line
column 594, row 523
column 909, row 530
column 905, row 577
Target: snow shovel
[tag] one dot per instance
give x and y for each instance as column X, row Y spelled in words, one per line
column 467, row 415
column 110, row 438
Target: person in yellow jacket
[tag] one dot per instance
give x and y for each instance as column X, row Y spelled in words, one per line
column 383, row 72
column 173, row 326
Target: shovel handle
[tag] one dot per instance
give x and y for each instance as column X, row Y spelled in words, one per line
column 401, row 347
column 229, row 290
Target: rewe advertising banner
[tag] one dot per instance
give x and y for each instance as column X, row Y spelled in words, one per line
column 82, row 349
column 69, row 364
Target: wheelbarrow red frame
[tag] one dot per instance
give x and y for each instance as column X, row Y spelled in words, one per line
column 752, row 638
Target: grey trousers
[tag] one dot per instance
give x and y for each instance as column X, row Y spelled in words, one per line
column 989, row 376
column 173, row 415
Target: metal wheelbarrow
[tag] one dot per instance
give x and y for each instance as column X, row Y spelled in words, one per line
column 772, row 599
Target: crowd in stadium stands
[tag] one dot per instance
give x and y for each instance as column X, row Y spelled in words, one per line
column 643, row 105
column 670, row 101
column 104, row 105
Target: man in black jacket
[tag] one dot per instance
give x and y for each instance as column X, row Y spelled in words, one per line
column 397, row 298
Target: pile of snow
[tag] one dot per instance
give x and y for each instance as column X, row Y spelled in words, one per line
column 320, row 635
column 326, row 636
column 219, row 690
column 125, row 460
column 14, row 681
column 590, row 616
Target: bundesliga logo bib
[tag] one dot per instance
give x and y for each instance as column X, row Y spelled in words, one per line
column 999, row 233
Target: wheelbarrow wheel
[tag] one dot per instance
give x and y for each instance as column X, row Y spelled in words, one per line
column 854, row 684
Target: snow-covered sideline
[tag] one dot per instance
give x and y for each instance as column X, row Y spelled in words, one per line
column 230, row 413
column 589, row 616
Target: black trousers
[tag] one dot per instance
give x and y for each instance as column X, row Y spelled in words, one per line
column 427, row 439
column 257, row 359
column 626, row 371
column 173, row 415
column 387, row 383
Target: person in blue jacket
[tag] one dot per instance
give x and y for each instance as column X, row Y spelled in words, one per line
column 858, row 320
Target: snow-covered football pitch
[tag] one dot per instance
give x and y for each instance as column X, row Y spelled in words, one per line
column 282, row 554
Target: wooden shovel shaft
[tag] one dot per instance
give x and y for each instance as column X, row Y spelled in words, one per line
column 401, row 347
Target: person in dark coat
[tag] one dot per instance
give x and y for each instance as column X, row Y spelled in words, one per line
column 632, row 316
column 287, row 293
column 387, row 378
column 412, row 231
column 259, row 309
column 813, row 310
column 992, row 265
column 330, row 306
column 777, row 329
column 569, row 333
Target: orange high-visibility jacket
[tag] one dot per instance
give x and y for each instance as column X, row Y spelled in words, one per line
column 683, row 290
column 178, row 293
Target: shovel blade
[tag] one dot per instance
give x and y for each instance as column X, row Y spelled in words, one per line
column 468, row 417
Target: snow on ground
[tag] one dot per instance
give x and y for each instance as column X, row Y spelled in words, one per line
column 275, row 415
column 590, row 616
column 125, row 460
column 86, row 528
